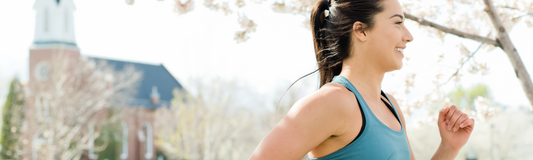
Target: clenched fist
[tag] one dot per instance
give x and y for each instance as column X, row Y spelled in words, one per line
column 455, row 127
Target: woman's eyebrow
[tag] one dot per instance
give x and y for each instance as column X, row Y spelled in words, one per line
column 397, row 15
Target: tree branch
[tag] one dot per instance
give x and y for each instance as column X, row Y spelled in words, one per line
column 516, row 9
column 458, row 69
column 474, row 37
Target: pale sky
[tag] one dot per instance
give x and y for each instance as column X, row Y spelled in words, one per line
column 200, row 44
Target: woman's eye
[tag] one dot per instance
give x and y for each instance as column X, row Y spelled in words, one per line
column 400, row 22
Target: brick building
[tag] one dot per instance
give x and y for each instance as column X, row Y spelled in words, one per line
column 54, row 35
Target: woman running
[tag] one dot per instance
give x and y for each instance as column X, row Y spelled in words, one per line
column 350, row 117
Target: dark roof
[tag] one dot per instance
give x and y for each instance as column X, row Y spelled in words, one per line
column 153, row 75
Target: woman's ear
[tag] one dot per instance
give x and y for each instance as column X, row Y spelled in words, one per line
column 358, row 31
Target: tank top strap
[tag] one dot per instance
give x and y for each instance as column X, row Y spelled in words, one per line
column 375, row 140
column 342, row 80
column 392, row 108
column 366, row 110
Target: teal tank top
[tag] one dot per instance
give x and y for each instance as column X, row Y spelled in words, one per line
column 375, row 141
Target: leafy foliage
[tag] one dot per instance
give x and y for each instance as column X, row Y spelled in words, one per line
column 464, row 98
column 13, row 116
column 109, row 142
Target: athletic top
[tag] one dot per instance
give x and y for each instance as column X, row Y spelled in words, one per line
column 375, row 140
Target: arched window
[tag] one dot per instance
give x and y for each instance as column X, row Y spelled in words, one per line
column 46, row 109
column 38, row 107
column 91, row 141
column 124, row 154
column 149, row 141
column 42, row 108
column 36, row 142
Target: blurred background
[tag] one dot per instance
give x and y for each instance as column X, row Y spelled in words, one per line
column 201, row 79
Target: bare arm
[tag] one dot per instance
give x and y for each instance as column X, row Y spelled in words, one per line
column 309, row 122
column 445, row 152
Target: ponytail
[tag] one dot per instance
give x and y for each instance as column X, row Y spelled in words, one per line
column 328, row 60
column 332, row 33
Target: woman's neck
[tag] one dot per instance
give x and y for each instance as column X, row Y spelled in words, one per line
column 366, row 79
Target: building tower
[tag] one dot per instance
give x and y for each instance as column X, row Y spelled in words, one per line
column 54, row 42
column 54, row 37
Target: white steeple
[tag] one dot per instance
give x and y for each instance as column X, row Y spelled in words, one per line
column 54, row 23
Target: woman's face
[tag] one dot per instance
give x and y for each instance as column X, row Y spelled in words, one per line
column 388, row 37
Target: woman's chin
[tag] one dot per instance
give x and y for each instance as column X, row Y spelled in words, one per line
column 392, row 65
column 398, row 63
column 398, row 66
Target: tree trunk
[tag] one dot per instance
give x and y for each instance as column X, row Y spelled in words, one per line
column 508, row 47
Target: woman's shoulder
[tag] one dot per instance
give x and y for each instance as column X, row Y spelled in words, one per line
column 331, row 98
column 335, row 92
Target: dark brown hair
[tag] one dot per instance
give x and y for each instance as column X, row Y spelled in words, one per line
column 332, row 33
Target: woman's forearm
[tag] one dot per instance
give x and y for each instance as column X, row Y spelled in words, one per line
column 445, row 152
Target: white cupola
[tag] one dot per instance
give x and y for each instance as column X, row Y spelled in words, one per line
column 54, row 23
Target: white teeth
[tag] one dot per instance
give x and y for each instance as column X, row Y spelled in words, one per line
column 399, row 49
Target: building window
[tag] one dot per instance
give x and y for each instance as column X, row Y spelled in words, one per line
column 124, row 154
column 91, row 141
column 46, row 20
column 149, row 141
column 46, row 110
column 38, row 106
column 42, row 107
column 36, row 141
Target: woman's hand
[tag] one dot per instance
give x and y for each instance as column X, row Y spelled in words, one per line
column 455, row 127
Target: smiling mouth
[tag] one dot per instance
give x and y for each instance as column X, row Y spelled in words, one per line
column 399, row 49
